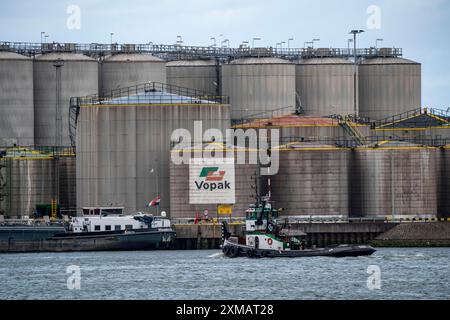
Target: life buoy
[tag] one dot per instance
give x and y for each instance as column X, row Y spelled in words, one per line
column 269, row 241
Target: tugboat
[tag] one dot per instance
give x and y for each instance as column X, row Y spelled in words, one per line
column 264, row 238
column 99, row 229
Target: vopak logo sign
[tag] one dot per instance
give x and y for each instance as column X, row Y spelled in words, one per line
column 211, row 181
column 214, row 179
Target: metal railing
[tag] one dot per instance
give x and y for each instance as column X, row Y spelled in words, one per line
column 154, row 93
column 175, row 51
column 35, row 151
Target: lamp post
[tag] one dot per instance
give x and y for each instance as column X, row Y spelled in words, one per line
column 355, row 106
column 253, row 41
column 227, row 41
column 376, row 42
column 111, row 34
column 314, row 40
column 289, row 42
column 45, row 38
column 281, row 44
column 42, row 36
column 213, row 45
column 348, row 45
column 308, row 42
column 180, row 40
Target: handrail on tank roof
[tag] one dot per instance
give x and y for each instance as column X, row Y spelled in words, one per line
column 163, row 94
column 177, row 51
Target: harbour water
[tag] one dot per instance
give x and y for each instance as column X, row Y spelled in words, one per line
column 415, row 273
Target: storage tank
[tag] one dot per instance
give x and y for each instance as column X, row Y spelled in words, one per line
column 388, row 86
column 123, row 153
column 259, row 87
column 312, row 181
column 394, row 180
column 129, row 69
column 203, row 75
column 246, row 175
column 16, row 100
column 29, row 181
column 325, row 86
column 79, row 77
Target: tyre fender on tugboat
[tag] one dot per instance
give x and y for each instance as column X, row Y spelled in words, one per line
column 234, row 251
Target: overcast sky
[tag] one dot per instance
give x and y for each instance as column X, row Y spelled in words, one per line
column 420, row 27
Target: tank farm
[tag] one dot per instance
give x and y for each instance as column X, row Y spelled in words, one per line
column 360, row 159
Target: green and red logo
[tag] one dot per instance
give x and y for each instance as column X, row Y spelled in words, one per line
column 212, row 174
column 215, row 178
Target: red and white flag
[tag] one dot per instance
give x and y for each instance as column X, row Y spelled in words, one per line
column 155, row 202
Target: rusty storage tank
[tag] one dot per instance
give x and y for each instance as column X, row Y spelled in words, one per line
column 246, row 176
column 29, row 180
column 203, row 75
column 259, row 87
column 312, row 181
column 128, row 69
column 16, row 100
column 388, row 86
column 394, row 180
column 325, row 86
column 79, row 77
column 123, row 153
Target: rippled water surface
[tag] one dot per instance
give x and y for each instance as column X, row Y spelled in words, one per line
column 405, row 274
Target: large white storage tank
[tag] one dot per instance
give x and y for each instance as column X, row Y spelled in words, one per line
column 259, row 86
column 16, row 100
column 202, row 75
column 79, row 77
column 388, row 86
column 129, row 69
column 325, row 86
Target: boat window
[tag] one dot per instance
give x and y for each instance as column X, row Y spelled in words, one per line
column 97, row 212
column 107, row 228
column 85, row 212
column 117, row 211
column 97, row 228
column 129, row 227
column 117, row 228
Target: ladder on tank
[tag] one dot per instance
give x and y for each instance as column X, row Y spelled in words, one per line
column 352, row 131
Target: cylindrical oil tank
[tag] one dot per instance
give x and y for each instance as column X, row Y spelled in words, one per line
column 394, row 180
column 129, row 69
column 388, row 86
column 28, row 182
column 312, row 181
column 246, row 175
column 78, row 76
column 16, row 100
column 259, row 87
column 202, row 75
column 325, row 86
column 123, row 153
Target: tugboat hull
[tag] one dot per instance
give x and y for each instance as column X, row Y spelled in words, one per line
column 234, row 250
